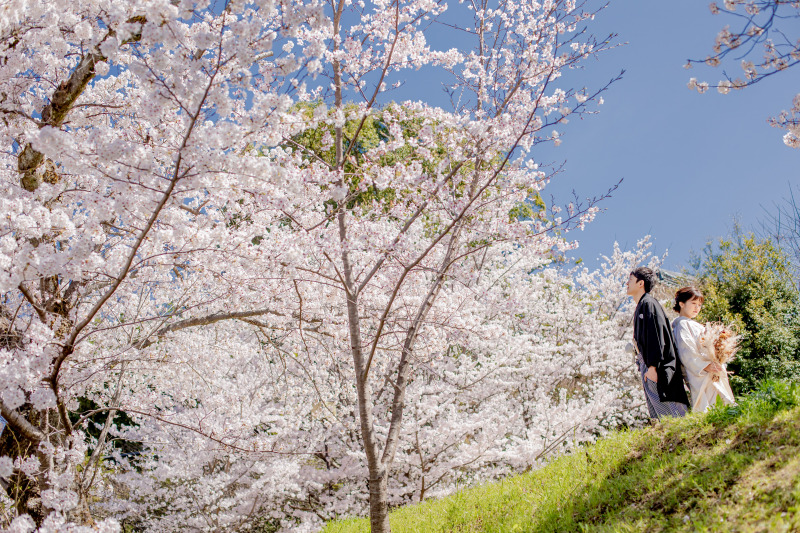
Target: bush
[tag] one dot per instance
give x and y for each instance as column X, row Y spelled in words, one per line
column 748, row 283
column 769, row 398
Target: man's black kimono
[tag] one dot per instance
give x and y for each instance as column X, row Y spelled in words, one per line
column 653, row 335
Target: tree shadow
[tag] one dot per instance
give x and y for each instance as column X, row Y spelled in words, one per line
column 674, row 479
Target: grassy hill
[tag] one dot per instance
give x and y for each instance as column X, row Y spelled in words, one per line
column 733, row 469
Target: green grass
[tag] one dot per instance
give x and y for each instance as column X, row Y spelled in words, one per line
column 733, row 469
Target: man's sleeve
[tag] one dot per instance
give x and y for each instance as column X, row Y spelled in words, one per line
column 653, row 342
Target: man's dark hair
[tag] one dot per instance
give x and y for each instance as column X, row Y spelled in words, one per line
column 647, row 275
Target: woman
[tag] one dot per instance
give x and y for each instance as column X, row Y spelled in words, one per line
column 699, row 370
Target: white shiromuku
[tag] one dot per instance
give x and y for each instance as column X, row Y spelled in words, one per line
column 703, row 388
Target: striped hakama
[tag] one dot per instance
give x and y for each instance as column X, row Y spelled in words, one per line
column 655, row 406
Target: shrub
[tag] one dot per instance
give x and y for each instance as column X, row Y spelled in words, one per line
column 747, row 282
column 769, row 398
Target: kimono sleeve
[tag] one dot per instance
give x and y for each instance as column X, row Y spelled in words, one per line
column 653, row 341
column 688, row 350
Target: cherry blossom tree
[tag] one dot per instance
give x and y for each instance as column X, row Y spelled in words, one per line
column 397, row 233
column 121, row 120
column 510, row 390
column 161, row 183
column 760, row 25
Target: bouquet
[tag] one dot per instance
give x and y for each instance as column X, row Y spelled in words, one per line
column 719, row 343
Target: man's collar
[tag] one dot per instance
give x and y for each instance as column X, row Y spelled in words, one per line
column 645, row 295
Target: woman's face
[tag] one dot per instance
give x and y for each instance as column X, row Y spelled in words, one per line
column 691, row 308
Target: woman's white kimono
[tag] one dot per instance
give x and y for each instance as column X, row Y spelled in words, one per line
column 704, row 390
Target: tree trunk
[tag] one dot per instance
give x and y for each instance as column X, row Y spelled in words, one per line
column 379, row 500
column 23, row 490
column 378, row 473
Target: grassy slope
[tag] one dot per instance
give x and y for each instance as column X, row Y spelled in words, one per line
column 735, row 469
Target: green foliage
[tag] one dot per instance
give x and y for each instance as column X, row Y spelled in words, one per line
column 771, row 397
column 262, row 524
column 96, row 422
column 747, row 282
column 359, row 137
column 725, row 471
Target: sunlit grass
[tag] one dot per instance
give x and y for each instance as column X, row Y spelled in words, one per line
column 734, row 469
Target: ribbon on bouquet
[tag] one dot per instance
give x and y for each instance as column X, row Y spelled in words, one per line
column 721, row 384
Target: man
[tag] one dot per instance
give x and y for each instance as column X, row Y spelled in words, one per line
column 657, row 357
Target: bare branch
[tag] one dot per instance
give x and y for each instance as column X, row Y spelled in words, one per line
column 193, row 429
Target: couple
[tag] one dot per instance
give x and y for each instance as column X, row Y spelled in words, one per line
column 663, row 365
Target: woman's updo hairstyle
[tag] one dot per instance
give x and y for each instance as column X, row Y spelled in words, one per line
column 684, row 295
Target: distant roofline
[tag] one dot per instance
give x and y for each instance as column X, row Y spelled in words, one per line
column 675, row 279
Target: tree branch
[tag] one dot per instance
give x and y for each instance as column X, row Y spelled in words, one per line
column 28, row 296
column 62, row 102
column 19, row 423
column 193, row 429
column 200, row 321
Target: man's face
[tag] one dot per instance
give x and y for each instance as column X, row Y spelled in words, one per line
column 635, row 286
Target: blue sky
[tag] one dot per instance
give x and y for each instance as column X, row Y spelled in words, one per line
column 691, row 163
